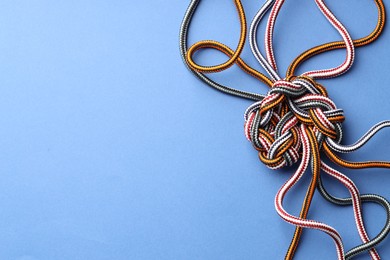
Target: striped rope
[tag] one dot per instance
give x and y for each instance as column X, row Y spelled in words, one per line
column 271, row 70
column 297, row 116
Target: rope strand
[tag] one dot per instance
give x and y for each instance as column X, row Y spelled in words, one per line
column 297, row 115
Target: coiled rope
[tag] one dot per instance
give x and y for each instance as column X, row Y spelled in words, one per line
column 313, row 117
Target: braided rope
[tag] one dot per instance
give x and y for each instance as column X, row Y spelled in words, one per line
column 269, row 68
column 274, row 75
column 300, row 101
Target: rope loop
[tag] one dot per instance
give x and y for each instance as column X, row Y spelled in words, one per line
column 273, row 124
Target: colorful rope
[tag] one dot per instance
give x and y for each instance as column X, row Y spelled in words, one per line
column 225, row 89
column 273, row 74
column 297, row 115
column 340, row 44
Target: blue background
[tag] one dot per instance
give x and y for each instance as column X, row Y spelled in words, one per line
column 111, row 149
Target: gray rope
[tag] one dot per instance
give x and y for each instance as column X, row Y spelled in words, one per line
column 183, row 51
column 253, row 40
column 298, row 109
column 362, row 141
column 365, row 198
column 332, row 143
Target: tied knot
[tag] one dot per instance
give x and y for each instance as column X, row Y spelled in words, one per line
column 272, row 125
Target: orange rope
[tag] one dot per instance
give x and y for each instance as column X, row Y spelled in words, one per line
column 234, row 57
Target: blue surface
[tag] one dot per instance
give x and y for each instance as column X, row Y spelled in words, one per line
column 111, row 149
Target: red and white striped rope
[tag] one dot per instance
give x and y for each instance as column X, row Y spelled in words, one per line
column 305, row 223
column 315, row 74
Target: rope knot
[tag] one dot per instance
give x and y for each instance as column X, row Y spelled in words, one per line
column 272, row 125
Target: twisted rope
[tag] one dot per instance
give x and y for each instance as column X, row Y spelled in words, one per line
column 298, row 101
column 323, row 128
